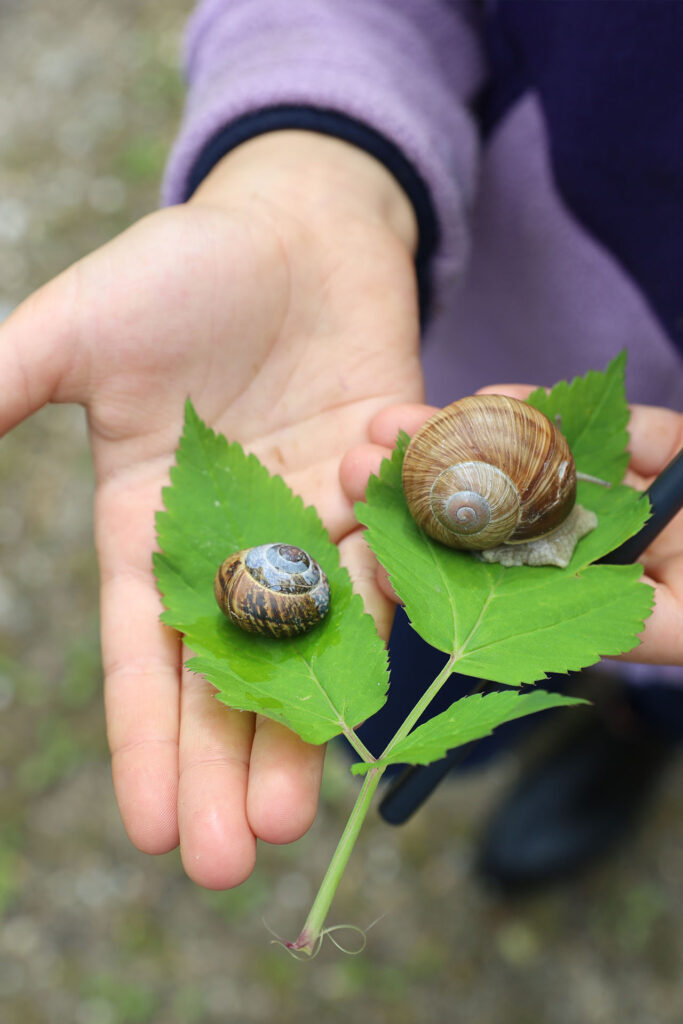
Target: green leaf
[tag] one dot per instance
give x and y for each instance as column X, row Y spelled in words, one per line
column 594, row 417
column 514, row 625
column 220, row 501
column 470, row 718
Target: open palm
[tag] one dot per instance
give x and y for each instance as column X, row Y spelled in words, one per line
column 288, row 338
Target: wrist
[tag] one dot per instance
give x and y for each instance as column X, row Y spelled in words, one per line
column 324, row 177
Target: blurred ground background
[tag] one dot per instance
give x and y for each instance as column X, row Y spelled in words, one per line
column 92, row 932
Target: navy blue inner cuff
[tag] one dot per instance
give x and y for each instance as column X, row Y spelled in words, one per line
column 330, row 122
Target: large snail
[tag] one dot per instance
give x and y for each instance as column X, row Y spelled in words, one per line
column 273, row 589
column 493, row 474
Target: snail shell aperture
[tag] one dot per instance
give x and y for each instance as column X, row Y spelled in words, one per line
column 274, row 589
column 488, row 470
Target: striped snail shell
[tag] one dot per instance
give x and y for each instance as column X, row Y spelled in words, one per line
column 488, row 470
column 273, row 589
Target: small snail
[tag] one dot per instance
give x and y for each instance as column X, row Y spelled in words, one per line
column 491, row 471
column 273, row 589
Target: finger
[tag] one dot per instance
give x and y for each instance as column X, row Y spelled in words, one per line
column 384, row 427
column 357, row 466
column 662, row 639
column 667, row 545
column 385, row 585
column 354, row 472
column 656, row 436
column 39, row 349
column 217, row 846
column 361, row 563
column 521, row 391
column 284, row 783
column 141, row 660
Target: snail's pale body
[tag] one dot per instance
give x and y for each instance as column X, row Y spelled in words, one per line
column 274, row 589
column 490, row 470
column 554, row 548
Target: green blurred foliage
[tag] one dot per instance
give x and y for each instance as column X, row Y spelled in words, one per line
column 132, row 1002
column 142, row 159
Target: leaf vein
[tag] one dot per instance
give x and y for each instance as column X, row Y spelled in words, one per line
column 520, row 634
column 460, row 651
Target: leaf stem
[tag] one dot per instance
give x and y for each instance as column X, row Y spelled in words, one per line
column 425, row 700
column 312, row 931
column 356, row 742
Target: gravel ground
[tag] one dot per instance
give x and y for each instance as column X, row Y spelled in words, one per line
column 92, row 932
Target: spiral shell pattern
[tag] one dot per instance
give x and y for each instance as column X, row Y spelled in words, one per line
column 274, row 589
column 488, row 470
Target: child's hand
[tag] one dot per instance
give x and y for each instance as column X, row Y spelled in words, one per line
column 656, row 436
column 281, row 299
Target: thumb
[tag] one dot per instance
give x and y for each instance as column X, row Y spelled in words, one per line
column 39, row 351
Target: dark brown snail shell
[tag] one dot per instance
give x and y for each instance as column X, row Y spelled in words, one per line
column 274, row 589
column 488, row 470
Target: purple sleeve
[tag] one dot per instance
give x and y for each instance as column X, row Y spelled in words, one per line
column 404, row 70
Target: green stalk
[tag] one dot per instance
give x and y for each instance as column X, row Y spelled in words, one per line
column 356, row 742
column 313, row 928
column 425, row 700
column 312, row 931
